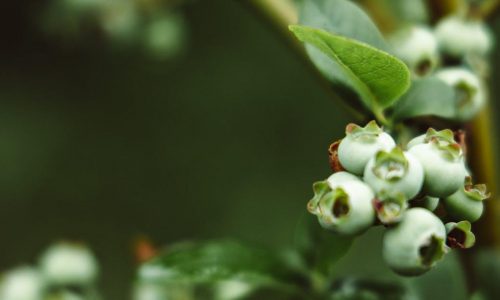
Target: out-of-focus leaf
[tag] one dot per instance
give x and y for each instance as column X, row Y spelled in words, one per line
column 369, row 289
column 378, row 77
column 445, row 281
column 426, row 97
column 215, row 270
column 319, row 248
column 487, row 263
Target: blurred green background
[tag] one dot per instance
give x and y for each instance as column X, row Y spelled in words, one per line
column 102, row 145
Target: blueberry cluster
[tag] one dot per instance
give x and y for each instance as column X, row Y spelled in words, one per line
column 454, row 52
column 412, row 190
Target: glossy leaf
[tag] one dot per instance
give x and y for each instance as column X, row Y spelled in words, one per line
column 378, row 77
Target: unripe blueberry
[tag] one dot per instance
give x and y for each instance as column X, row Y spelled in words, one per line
column 338, row 178
column 457, row 37
column 417, row 47
column 320, row 188
column 467, row 202
column 390, row 206
column 469, row 94
column 361, row 144
column 443, row 136
column 427, row 202
column 69, row 264
column 346, row 209
column 22, row 283
column 394, row 171
column 443, row 163
column 415, row 244
column 459, row 235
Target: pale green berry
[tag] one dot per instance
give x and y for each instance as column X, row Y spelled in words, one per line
column 390, row 206
column 346, row 209
column 459, row 235
column 442, row 160
column 458, row 36
column 415, row 244
column 320, row 188
column 467, row 202
column 69, row 264
column 469, row 92
column 427, row 202
column 361, row 144
column 443, row 136
column 338, row 178
column 396, row 171
column 416, row 141
column 417, row 47
column 22, row 283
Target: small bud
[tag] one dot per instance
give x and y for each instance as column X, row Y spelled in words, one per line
column 416, row 244
column 346, row 208
column 458, row 37
column 361, row 144
column 395, row 171
column 417, row 47
column 467, row 202
column 469, row 95
column 69, row 264
column 442, row 160
column 459, row 235
column 22, row 283
column 390, row 207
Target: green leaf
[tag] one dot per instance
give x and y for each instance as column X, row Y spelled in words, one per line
column 487, row 272
column 216, row 266
column 369, row 289
column 319, row 248
column 427, row 97
column 341, row 17
column 445, row 281
column 378, row 77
